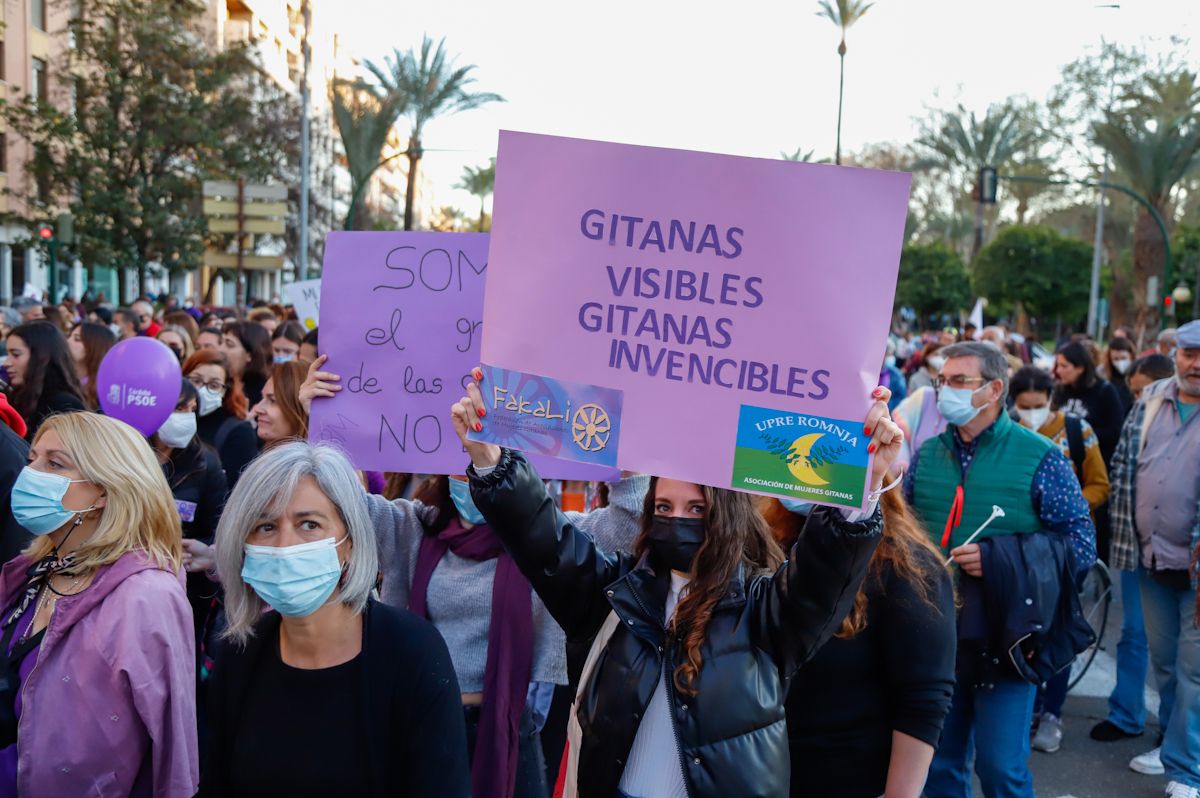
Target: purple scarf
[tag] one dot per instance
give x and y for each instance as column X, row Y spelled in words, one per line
column 509, row 656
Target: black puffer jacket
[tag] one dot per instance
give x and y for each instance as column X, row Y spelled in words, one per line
column 733, row 735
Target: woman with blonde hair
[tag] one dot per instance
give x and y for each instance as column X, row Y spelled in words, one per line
column 97, row 689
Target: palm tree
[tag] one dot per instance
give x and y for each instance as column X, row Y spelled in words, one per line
column 799, row 155
column 479, row 181
column 960, row 143
column 432, row 86
column 1153, row 148
column 844, row 14
column 364, row 116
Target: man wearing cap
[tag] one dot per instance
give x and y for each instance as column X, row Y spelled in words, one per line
column 1155, row 512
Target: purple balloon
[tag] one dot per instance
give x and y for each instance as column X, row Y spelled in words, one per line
column 138, row 383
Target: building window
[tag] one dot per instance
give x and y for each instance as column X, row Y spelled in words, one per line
column 3, row 154
column 3, row 69
column 38, row 84
column 37, row 13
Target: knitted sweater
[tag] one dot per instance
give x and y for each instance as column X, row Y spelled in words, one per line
column 460, row 590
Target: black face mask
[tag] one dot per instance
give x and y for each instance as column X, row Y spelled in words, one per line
column 675, row 541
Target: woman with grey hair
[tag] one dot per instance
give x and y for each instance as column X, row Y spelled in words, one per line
column 332, row 692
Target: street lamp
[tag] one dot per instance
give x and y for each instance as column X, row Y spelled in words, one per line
column 1182, row 294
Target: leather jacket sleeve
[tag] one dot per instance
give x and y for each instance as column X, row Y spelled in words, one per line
column 804, row 603
column 561, row 562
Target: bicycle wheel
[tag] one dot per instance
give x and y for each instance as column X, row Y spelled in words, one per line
column 1095, row 597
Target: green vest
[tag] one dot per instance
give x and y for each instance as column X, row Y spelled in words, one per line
column 1001, row 473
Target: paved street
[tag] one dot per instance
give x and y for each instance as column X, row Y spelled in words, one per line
column 1083, row 768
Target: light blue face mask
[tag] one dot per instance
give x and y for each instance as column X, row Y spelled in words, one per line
column 294, row 580
column 460, row 492
column 283, row 358
column 37, row 501
column 797, row 506
column 955, row 405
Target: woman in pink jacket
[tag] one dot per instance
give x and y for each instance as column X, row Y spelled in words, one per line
column 97, row 674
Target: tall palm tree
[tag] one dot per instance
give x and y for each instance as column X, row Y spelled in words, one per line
column 959, row 143
column 799, row 155
column 1153, row 149
column 843, row 13
column 364, row 115
column 432, row 86
column 480, row 181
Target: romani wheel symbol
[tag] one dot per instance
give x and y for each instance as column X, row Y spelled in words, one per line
column 590, row 428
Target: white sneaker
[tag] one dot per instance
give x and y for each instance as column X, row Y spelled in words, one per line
column 1149, row 763
column 1048, row 737
column 1177, row 790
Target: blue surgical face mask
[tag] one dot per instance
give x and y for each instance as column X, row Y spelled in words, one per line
column 294, row 580
column 890, row 361
column 283, row 358
column 797, row 506
column 37, row 501
column 460, row 492
column 955, row 405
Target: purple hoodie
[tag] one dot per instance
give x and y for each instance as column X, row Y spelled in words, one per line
column 110, row 707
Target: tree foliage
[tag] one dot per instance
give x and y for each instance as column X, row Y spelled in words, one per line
column 430, row 85
column 481, row 182
column 364, row 115
column 933, row 280
column 1034, row 268
column 140, row 112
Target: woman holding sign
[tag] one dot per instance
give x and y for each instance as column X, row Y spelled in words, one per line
column 441, row 560
column 697, row 632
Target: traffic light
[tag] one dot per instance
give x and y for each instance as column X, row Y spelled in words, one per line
column 1168, row 305
column 46, row 232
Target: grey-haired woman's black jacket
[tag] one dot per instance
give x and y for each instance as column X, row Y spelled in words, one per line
column 733, row 734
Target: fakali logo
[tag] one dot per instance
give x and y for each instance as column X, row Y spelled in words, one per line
column 590, row 428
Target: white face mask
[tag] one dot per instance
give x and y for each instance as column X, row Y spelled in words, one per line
column 935, row 362
column 178, row 430
column 1122, row 365
column 210, row 400
column 1034, row 417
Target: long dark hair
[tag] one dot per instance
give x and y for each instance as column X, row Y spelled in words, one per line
column 190, row 458
column 434, row 491
column 736, row 535
column 903, row 539
column 255, row 339
column 97, row 340
column 1119, row 345
column 1078, row 355
column 292, row 330
column 50, row 369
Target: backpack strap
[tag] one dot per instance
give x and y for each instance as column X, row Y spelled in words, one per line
column 1075, row 442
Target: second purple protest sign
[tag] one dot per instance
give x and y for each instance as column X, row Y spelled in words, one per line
column 401, row 317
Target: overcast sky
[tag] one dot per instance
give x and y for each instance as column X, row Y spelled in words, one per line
column 747, row 78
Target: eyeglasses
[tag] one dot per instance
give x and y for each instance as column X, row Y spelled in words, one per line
column 959, row 381
column 216, row 386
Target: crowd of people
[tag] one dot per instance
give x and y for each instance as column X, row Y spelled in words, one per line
column 223, row 608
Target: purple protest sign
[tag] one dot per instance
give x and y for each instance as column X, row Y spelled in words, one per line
column 400, row 321
column 711, row 290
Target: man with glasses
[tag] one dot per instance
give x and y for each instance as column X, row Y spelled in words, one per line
column 1156, row 524
column 985, row 460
